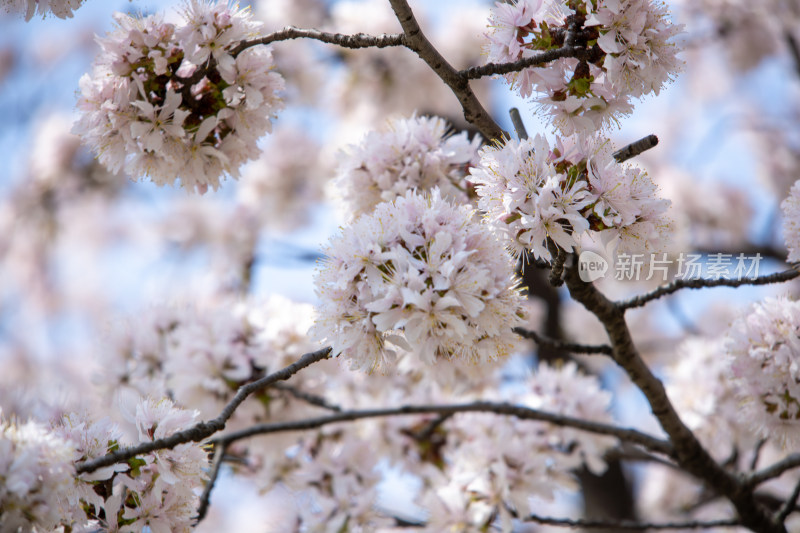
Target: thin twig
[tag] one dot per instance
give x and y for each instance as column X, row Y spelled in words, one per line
column 765, row 250
column 773, row 471
column 757, row 453
column 205, row 498
column 624, row 525
column 635, row 148
column 203, row 430
column 519, row 125
column 794, row 49
column 561, row 345
column 632, row 453
column 429, row 429
column 490, row 69
column 524, row 413
column 788, row 507
column 359, row 40
column 641, row 300
column 307, row 397
column 732, row 459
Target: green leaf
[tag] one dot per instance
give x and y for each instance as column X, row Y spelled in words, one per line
column 580, row 86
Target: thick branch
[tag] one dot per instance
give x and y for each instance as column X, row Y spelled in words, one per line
column 561, row 345
column 675, row 286
column 415, row 40
column 359, row 40
column 524, row 413
column 203, row 430
column 689, row 453
column 612, row 525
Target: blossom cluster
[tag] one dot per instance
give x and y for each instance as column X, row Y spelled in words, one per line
column 625, row 52
column 498, row 471
column 336, row 477
column 42, row 492
column 707, row 401
column 764, row 348
column 418, row 274
column 200, row 355
column 413, row 153
column 60, row 8
column 165, row 484
column 537, row 195
column 37, row 474
column 179, row 101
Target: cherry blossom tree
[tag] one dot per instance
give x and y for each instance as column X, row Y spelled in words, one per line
column 484, row 342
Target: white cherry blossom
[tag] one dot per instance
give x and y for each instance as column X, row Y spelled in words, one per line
column 37, row 473
column 538, row 196
column 628, row 47
column 177, row 102
column 60, row 8
column 411, row 153
column 418, row 274
column 764, row 349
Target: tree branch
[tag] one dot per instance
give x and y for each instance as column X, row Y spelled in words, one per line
column 491, row 69
column 519, row 125
column 203, row 430
column 205, row 498
column 675, row 286
column 359, row 40
column 773, row 471
column 524, row 413
column 613, row 525
column 766, row 250
column 788, row 506
column 307, row 397
column 632, row 453
column 794, row 49
column 635, row 148
column 561, row 345
column 757, row 453
column 415, row 40
column 689, row 453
